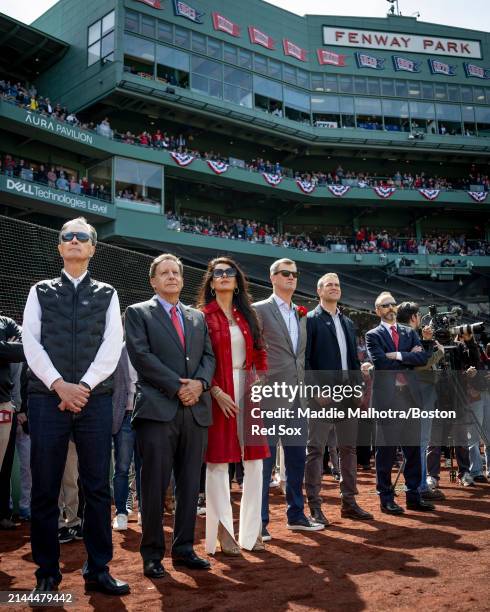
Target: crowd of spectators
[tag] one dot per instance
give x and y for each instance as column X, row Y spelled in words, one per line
column 184, row 143
column 365, row 240
column 53, row 176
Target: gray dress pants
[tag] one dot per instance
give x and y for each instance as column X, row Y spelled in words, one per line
column 318, row 433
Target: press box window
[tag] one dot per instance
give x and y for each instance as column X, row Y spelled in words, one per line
column 172, row 66
column 139, row 56
column 138, row 182
column 100, row 40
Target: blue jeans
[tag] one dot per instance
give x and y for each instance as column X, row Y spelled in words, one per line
column 429, row 395
column 50, row 432
column 481, row 414
column 294, row 459
column 124, row 451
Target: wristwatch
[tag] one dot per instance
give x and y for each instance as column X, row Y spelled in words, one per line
column 205, row 385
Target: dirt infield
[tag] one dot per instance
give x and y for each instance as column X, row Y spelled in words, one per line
column 427, row 561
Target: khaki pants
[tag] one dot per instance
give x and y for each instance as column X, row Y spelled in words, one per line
column 6, row 412
column 68, row 499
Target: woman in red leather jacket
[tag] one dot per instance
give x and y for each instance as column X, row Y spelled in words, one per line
column 240, row 359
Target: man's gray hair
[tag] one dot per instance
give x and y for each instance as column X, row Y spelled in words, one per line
column 165, row 257
column 277, row 264
column 80, row 221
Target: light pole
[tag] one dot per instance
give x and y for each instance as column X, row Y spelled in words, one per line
column 394, row 3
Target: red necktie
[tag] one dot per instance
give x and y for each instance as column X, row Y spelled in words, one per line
column 394, row 336
column 177, row 324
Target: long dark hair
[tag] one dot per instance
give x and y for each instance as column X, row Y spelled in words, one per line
column 242, row 301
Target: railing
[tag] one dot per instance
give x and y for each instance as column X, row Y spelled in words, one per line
column 358, row 181
column 331, row 244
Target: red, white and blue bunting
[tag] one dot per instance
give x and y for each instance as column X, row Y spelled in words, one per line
column 338, row 190
column 478, row 196
column 218, row 167
column 272, row 179
column 430, row 194
column 182, row 159
column 384, row 192
column 306, row 186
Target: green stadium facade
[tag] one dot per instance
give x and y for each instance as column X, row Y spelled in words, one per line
column 250, row 80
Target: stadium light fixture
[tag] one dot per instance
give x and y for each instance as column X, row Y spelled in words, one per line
column 392, row 10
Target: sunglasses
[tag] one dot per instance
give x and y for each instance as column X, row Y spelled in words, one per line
column 390, row 304
column 219, row 272
column 287, row 273
column 80, row 236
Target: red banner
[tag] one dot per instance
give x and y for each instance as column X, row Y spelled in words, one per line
column 220, row 22
column 291, row 49
column 153, row 3
column 331, row 58
column 259, row 38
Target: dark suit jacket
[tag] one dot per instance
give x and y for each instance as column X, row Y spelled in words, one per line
column 323, row 361
column 160, row 360
column 120, row 391
column 322, row 348
column 378, row 343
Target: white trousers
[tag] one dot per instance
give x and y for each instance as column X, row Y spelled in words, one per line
column 218, row 504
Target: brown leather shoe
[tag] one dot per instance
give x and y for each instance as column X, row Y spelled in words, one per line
column 355, row 512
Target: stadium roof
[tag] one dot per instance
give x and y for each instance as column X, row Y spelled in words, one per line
column 26, row 52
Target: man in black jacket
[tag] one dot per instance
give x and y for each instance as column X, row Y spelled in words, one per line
column 169, row 346
column 11, row 351
column 72, row 335
column 331, row 358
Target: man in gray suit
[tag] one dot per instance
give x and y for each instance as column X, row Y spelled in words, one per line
column 169, row 347
column 285, row 338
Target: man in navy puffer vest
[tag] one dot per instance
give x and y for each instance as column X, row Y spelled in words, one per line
column 72, row 342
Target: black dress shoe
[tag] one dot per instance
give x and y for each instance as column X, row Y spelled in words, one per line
column 153, row 569
column 190, row 560
column 353, row 511
column 105, row 583
column 318, row 516
column 421, row 505
column 391, row 508
column 47, row 584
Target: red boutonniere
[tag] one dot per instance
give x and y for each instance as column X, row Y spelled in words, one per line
column 302, row 312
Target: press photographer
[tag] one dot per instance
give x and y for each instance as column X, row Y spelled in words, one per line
column 457, row 386
column 409, row 314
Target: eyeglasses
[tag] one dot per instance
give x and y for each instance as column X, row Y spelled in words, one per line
column 390, row 304
column 287, row 273
column 220, row 272
column 80, row 236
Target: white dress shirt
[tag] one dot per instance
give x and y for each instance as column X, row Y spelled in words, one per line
column 289, row 315
column 38, row 360
column 342, row 342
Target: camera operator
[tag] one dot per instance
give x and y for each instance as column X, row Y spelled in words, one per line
column 463, row 357
column 481, row 411
column 409, row 314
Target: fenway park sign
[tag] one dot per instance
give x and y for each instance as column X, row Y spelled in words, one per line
column 394, row 41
